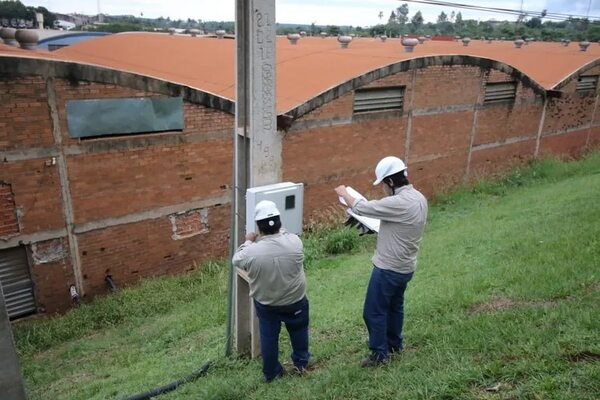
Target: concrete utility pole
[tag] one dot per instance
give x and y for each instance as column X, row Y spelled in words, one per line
column 257, row 147
column 11, row 381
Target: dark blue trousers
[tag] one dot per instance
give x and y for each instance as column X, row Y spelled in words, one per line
column 295, row 317
column 384, row 311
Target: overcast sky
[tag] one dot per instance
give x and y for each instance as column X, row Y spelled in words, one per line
column 322, row 12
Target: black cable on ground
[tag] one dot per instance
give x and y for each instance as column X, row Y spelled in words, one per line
column 172, row 386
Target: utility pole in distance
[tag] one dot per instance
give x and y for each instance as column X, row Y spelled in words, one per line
column 11, row 381
column 257, row 148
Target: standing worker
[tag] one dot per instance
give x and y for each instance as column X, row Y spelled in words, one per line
column 403, row 213
column 274, row 261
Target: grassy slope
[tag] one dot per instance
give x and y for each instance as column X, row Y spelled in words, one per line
column 508, row 287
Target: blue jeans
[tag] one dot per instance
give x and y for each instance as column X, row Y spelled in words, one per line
column 384, row 311
column 295, row 317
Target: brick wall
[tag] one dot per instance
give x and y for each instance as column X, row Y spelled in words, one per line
column 117, row 183
column 9, row 225
column 441, row 118
column 569, row 112
column 132, row 251
column 24, row 114
column 440, row 86
column 501, row 122
column 120, row 177
column 52, row 273
column 37, row 196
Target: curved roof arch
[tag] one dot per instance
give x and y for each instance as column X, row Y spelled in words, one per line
column 28, row 63
column 575, row 75
column 411, row 64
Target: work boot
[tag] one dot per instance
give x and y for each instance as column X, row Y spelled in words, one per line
column 374, row 361
column 279, row 375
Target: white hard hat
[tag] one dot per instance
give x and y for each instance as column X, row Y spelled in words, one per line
column 388, row 166
column 265, row 209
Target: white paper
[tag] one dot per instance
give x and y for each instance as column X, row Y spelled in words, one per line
column 371, row 223
column 352, row 193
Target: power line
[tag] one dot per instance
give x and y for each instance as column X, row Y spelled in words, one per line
column 540, row 14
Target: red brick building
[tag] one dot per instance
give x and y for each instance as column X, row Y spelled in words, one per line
column 76, row 206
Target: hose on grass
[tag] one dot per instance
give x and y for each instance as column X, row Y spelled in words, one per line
column 173, row 385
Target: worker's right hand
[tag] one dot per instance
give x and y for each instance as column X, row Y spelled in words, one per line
column 251, row 236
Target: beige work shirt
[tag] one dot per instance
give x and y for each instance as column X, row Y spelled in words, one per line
column 275, row 266
column 403, row 217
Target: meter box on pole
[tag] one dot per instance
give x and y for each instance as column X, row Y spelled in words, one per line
column 289, row 198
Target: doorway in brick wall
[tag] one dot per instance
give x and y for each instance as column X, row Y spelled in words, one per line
column 16, row 282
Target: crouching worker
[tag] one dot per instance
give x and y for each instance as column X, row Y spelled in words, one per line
column 274, row 261
column 402, row 213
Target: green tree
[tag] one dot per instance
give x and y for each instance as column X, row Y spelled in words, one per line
column 402, row 14
column 442, row 18
column 333, row 30
column 14, row 9
column 534, row 23
column 392, row 19
column 417, row 20
column 458, row 21
column 49, row 17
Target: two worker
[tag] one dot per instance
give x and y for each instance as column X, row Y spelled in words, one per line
column 274, row 262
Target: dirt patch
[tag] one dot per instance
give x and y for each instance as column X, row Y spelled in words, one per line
column 583, row 356
column 498, row 304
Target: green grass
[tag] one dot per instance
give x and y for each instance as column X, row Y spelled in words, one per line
column 506, row 297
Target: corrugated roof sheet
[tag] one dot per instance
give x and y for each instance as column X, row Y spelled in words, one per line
column 304, row 70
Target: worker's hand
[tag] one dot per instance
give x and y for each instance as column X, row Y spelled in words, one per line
column 341, row 190
column 251, row 236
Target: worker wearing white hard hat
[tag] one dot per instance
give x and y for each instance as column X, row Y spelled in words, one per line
column 402, row 213
column 274, row 261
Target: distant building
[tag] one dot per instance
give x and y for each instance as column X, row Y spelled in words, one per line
column 62, row 24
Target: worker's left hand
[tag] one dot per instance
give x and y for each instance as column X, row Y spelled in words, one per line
column 251, row 236
column 341, row 190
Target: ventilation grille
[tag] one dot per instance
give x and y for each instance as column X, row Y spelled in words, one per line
column 585, row 83
column 379, row 99
column 500, row 92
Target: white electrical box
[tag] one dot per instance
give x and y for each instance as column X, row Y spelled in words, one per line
column 289, row 198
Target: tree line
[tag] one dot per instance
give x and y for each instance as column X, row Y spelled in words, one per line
column 400, row 22
column 15, row 10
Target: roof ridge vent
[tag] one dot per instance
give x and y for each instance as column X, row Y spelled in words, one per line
column 383, row 38
column 566, row 42
column 421, row 39
column 324, row 34
column 466, row 41
column 344, row 41
column 27, row 38
column 171, row 31
column 584, row 45
column 194, row 32
column 8, row 36
column 409, row 44
column 220, row 33
column 302, row 33
column 519, row 43
column 293, row 37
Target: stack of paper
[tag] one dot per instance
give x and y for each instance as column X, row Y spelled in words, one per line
column 371, row 223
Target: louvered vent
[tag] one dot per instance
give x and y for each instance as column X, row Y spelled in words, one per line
column 586, row 83
column 379, row 99
column 500, row 92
